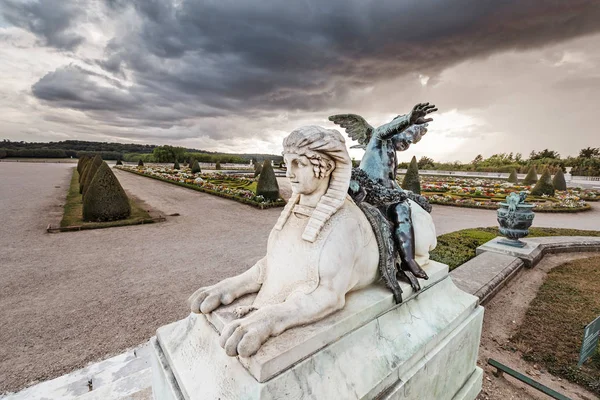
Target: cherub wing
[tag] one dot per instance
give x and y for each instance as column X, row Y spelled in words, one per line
column 356, row 127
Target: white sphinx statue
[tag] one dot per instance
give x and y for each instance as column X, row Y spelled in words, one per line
column 321, row 248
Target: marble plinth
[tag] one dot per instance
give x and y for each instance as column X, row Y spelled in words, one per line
column 531, row 253
column 425, row 348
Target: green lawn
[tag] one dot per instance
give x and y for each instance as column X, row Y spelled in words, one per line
column 72, row 215
column 456, row 248
column 552, row 331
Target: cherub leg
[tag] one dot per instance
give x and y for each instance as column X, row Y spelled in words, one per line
column 405, row 237
column 245, row 336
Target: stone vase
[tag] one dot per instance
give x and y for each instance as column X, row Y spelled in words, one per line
column 515, row 223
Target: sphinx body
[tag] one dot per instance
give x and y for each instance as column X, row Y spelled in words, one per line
column 322, row 247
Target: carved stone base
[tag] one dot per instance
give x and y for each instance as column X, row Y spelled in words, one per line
column 425, row 348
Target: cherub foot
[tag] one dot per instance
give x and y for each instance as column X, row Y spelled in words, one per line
column 412, row 266
column 414, row 283
column 241, row 311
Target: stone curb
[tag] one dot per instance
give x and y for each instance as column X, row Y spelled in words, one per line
column 493, row 267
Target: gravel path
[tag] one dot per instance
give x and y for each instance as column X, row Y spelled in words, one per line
column 67, row 299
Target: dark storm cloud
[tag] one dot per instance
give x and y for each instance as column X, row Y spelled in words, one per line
column 50, row 20
column 209, row 58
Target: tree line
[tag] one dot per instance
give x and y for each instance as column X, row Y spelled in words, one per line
column 123, row 151
column 587, row 163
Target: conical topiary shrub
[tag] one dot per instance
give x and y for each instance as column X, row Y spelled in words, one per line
column 90, row 171
column 531, row 177
column 544, row 185
column 267, row 183
column 84, row 167
column 140, row 163
column 513, row 177
column 257, row 169
column 196, row 167
column 176, row 165
column 85, row 160
column 81, row 164
column 218, row 165
column 105, row 199
column 411, row 179
column 558, row 181
column 119, row 162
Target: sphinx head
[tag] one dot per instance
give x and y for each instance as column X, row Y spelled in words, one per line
column 318, row 162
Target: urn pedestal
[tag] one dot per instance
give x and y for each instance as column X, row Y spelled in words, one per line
column 424, row 348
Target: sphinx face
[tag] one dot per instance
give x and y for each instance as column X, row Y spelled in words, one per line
column 301, row 174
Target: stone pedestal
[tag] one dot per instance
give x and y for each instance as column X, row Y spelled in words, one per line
column 530, row 254
column 424, row 348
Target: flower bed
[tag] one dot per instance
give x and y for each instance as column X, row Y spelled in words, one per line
column 232, row 187
column 487, row 193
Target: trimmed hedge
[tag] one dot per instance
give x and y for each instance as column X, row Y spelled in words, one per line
column 105, row 199
column 411, row 180
column 544, row 185
column 531, row 177
column 558, row 181
column 196, row 167
column 513, row 177
column 267, row 183
column 89, row 174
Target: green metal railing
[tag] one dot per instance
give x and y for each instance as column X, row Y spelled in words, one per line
column 525, row 379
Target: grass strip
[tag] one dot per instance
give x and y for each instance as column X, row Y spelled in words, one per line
column 73, row 215
column 456, row 248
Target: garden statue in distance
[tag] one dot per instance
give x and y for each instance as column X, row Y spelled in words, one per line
column 396, row 207
column 321, row 248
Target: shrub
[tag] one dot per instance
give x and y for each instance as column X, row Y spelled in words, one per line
column 90, row 171
column 196, row 167
column 3, row 153
column 544, row 185
column 558, row 181
column 513, row 178
column 105, row 199
column 531, row 177
column 140, row 163
column 411, row 179
column 119, row 162
column 218, row 165
column 81, row 163
column 176, row 165
column 257, row 169
column 267, row 182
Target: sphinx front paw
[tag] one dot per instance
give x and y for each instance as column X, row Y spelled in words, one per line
column 244, row 336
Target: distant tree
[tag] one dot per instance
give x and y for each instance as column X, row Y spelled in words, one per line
column 531, row 177
column 589, row 152
column 267, row 182
column 518, row 157
column 426, row 163
column 218, row 165
column 513, row 177
column 119, row 162
column 477, row 159
column 544, row 185
column 167, row 153
column 544, row 154
column 196, row 167
column 411, row 179
column 3, row 153
column 558, row 181
column 176, row 166
column 140, row 163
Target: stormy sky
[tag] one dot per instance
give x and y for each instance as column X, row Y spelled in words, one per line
column 237, row 75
